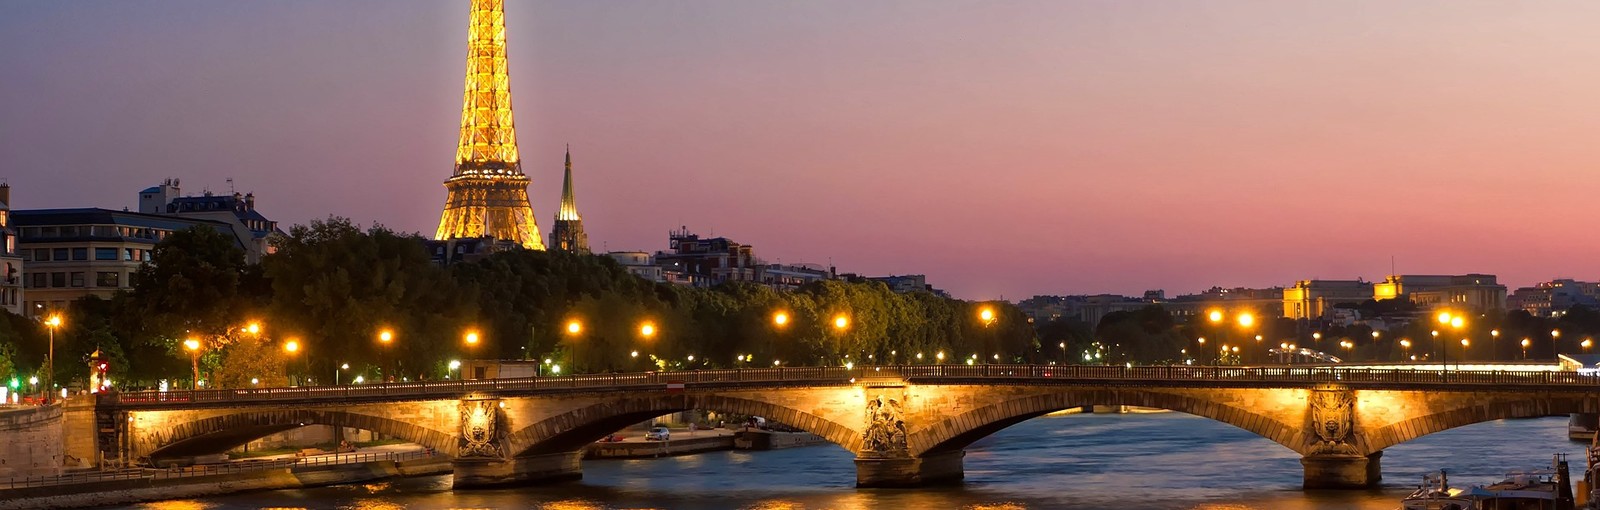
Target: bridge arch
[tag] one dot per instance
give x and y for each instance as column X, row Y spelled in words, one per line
column 1451, row 414
column 572, row 430
column 224, row 432
column 957, row 432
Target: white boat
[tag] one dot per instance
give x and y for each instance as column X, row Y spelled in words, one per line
column 1548, row 489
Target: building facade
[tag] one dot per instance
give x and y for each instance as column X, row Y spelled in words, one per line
column 708, row 261
column 1476, row 292
column 1315, row 299
column 1555, row 297
column 11, row 270
column 73, row 253
column 902, row 284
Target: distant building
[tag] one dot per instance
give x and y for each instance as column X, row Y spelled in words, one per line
column 904, row 284
column 10, row 259
column 1264, row 303
column 254, row 232
column 1315, row 299
column 1090, row 309
column 1477, row 292
column 448, row 252
column 72, row 253
column 791, row 277
column 567, row 234
column 1555, row 297
column 708, row 261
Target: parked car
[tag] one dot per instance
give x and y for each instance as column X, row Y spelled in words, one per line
column 657, row 434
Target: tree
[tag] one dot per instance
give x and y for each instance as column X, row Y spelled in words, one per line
column 336, row 286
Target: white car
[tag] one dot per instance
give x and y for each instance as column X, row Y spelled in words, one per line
column 657, row 434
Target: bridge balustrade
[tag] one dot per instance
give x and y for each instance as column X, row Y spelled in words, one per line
column 830, row 375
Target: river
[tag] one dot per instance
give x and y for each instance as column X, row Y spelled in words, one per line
column 1128, row 461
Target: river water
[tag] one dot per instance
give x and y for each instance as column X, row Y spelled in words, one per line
column 1128, row 461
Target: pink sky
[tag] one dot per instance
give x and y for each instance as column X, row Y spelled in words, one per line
column 1009, row 149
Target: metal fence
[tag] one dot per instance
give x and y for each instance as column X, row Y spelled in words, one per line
column 22, row 482
column 841, row 375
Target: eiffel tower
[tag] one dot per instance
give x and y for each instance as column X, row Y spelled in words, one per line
column 489, row 192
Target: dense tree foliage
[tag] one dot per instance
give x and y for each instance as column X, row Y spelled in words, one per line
column 332, row 287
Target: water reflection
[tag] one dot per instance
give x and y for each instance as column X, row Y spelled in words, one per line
column 1163, row 461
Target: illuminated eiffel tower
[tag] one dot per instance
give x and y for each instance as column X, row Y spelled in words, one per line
column 489, row 192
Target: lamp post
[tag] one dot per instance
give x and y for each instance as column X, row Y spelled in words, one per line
column 647, row 334
column 1525, row 343
column 193, row 346
column 385, row 339
column 290, row 348
column 53, row 323
column 574, row 328
column 342, row 366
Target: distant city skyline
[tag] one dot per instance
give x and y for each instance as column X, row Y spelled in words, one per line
column 1001, row 149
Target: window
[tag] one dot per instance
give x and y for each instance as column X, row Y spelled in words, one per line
column 107, row 279
column 127, row 254
column 80, row 254
column 39, row 280
column 105, row 254
column 41, row 255
column 59, row 254
column 77, row 279
column 58, row 280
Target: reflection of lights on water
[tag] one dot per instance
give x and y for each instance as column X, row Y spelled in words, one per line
column 176, row 505
column 777, row 505
column 571, row 504
column 373, row 504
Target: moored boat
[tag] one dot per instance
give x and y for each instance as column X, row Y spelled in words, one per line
column 1549, row 489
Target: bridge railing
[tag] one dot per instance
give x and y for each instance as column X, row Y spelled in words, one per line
column 1087, row 373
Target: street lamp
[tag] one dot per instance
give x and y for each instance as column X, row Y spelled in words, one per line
column 841, row 322
column 54, row 322
column 342, row 366
column 386, row 337
column 193, row 346
column 986, row 315
column 290, row 347
column 1525, row 343
column 254, row 328
column 471, row 338
column 1246, row 320
column 647, row 330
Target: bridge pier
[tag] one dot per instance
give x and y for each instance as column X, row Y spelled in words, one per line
column 473, row 473
column 909, row 471
column 1341, row 471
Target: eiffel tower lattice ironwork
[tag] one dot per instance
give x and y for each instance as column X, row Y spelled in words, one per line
column 489, row 192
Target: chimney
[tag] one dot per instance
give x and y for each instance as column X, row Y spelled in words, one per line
column 5, row 194
column 250, row 201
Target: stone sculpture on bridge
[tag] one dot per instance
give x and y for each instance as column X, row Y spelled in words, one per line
column 478, row 429
column 886, row 429
column 1333, row 418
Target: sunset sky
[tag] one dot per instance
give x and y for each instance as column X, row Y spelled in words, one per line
column 1002, row 148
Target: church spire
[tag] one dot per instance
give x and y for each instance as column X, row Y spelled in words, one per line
column 567, row 233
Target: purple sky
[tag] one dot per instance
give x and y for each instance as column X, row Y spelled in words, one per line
column 1007, row 149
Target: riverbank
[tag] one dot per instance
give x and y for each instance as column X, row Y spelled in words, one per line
column 125, row 488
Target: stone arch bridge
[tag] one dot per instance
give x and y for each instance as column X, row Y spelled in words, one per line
column 907, row 425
